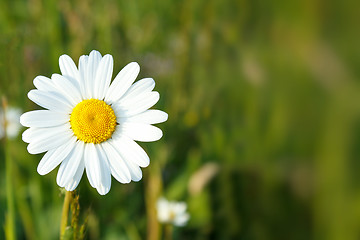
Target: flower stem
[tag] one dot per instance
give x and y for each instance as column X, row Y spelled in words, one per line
column 10, row 217
column 168, row 231
column 65, row 213
column 152, row 192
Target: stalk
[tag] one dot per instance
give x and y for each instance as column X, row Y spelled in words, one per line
column 65, row 213
column 168, row 231
column 10, row 216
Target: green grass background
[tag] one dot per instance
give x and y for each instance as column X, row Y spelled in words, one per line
column 264, row 96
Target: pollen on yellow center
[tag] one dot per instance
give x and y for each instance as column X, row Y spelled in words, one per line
column 93, row 121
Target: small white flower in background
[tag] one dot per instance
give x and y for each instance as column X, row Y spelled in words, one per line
column 91, row 124
column 12, row 122
column 172, row 212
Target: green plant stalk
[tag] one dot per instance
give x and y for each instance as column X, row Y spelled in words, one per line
column 10, row 232
column 75, row 211
column 168, row 231
column 65, row 213
column 10, row 216
column 152, row 192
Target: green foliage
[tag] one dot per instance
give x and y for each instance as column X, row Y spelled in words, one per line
column 267, row 91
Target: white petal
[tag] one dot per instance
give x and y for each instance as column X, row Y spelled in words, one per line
column 68, row 68
column 151, row 116
column 12, row 129
column 83, row 67
column 69, row 89
column 28, row 134
column 51, row 101
column 140, row 132
column 70, row 165
column 161, row 203
column 46, row 160
column 181, row 220
column 136, row 105
column 163, row 210
column 138, row 155
column 141, row 98
column 103, row 76
column 48, row 138
column 74, row 182
column 179, row 207
column 92, row 165
column 105, row 177
column 43, row 118
column 134, row 169
column 44, row 84
column 54, row 157
column 33, row 133
column 93, row 64
column 117, row 166
column 122, row 82
column 140, row 87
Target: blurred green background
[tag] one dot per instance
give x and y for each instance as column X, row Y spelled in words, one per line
column 263, row 135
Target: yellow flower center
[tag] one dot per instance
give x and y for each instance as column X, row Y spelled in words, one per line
column 93, row 121
column 172, row 215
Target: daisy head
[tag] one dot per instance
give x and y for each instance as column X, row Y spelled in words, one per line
column 172, row 212
column 9, row 122
column 90, row 123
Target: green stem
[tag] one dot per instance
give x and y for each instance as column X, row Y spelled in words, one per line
column 10, row 217
column 168, row 231
column 152, row 192
column 65, row 213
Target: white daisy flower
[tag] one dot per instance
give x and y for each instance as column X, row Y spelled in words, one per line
column 172, row 212
column 91, row 124
column 10, row 122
